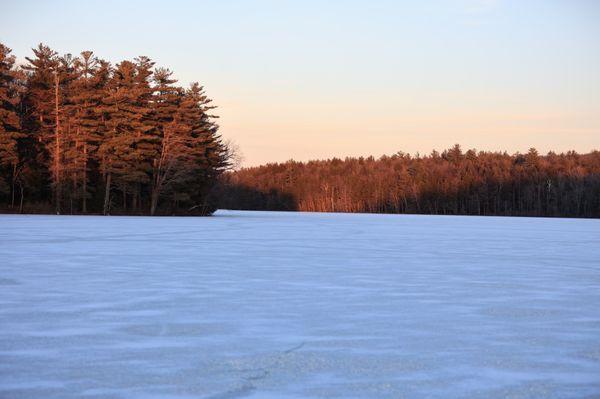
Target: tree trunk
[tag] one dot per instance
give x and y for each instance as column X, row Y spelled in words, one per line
column 57, row 146
column 84, row 182
column 71, row 194
column 154, row 201
column 21, row 203
column 107, row 195
column 134, row 196
column 12, row 191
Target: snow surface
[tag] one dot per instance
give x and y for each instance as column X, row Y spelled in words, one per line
column 299, row 305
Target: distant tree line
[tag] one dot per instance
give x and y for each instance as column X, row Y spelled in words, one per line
column 449, row 183
column 79, row 135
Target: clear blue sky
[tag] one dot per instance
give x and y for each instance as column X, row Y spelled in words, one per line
column 314, row 79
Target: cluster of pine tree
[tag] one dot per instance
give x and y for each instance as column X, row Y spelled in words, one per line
column 79, row 135
column 450, row 183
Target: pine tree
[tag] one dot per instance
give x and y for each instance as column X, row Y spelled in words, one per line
column 128, row 139
column 145, row 140
column 38, row 110
column 10, row 124
column 211, row 155
column 191, row 155
column 172, row 144
column 85, row 110
column 47, row 86
column 64, row 164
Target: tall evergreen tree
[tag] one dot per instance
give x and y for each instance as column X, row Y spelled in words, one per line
column 47, row 85
column 171, row 152
column 38, row 111
column 10, row 124
column 211, row 155
column 86, row 114
column 126, row 149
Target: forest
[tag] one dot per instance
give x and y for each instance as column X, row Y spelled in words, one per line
column 79, row 135
column 449, row 183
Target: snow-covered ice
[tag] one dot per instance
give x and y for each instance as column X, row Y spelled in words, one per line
column 299, row 305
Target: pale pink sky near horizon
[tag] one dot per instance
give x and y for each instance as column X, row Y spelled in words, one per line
column 306, row 80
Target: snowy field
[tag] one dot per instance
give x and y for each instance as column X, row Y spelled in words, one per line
column 290, row 305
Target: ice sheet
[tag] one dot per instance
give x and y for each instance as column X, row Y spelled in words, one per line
column 299, row 305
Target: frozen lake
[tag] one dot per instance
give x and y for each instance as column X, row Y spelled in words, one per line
column 291, row 305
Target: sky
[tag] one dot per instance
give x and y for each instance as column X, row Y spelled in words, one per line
column 314, row 79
